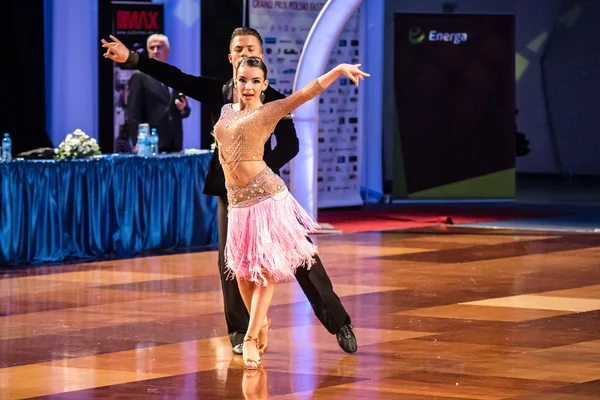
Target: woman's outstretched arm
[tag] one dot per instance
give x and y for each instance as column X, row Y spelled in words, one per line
column 277, row 109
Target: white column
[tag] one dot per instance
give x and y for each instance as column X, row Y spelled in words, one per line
column 182, row 26
column 372, row 51
column 316, row 51
column 71, row 67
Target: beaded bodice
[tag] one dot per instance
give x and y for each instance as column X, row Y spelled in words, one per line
column 264, row 185
column 241, row 135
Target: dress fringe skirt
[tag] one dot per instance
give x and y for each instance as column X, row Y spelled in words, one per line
column 267, row 231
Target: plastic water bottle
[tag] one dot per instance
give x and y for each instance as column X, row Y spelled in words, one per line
column 6, row 148
column 145, row 145
column 153, row 142
column 143, row 133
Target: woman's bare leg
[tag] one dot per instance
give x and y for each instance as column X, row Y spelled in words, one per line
column 260, row 303
column 246, row 290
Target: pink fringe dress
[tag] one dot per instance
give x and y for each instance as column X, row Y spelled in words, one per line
column 267, row 228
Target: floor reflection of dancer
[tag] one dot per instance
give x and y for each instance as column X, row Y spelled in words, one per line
column 255, row 385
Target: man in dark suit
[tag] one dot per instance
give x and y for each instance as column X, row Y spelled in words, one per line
column 152, row 102
column 214, row 93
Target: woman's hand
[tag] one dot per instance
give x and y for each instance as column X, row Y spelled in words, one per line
column 352, row 72
column 115, row 50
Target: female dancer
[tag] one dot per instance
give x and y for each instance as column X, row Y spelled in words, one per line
column 266, row 237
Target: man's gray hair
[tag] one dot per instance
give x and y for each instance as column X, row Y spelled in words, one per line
column 158, row 36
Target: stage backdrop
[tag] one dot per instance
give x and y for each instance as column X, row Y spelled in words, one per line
column 132, row 24
column 455, row 102
column 284, row 26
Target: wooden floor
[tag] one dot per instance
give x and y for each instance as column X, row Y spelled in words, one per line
column 438, row 315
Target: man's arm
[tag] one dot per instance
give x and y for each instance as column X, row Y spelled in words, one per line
column 287, row 146
column 197, row 87
column 135, row 105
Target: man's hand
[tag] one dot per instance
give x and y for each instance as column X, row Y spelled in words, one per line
column 115, row 50
column 181, row 103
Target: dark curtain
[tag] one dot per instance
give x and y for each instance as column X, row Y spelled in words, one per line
column 23, row 93
column 219, row 19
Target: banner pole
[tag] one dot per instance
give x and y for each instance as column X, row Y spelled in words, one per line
column 245, row 13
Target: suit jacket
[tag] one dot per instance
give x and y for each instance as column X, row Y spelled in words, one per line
column 214, row 93
column 122, row 145
column 152, row 102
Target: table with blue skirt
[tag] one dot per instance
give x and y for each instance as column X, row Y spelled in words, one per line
column 120, row 205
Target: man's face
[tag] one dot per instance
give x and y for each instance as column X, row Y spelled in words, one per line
column 242, row 47
column 158, row 50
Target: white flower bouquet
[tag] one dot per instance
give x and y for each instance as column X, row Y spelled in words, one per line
column 77, row 145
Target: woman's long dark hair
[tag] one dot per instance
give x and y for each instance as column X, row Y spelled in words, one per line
column 253, row 61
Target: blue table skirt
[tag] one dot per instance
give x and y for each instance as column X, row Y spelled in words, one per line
column 123, row 205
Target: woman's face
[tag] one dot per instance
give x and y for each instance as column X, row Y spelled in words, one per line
column 250, row 82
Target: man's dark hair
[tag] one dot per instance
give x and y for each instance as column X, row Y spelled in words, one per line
column 246, row 31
